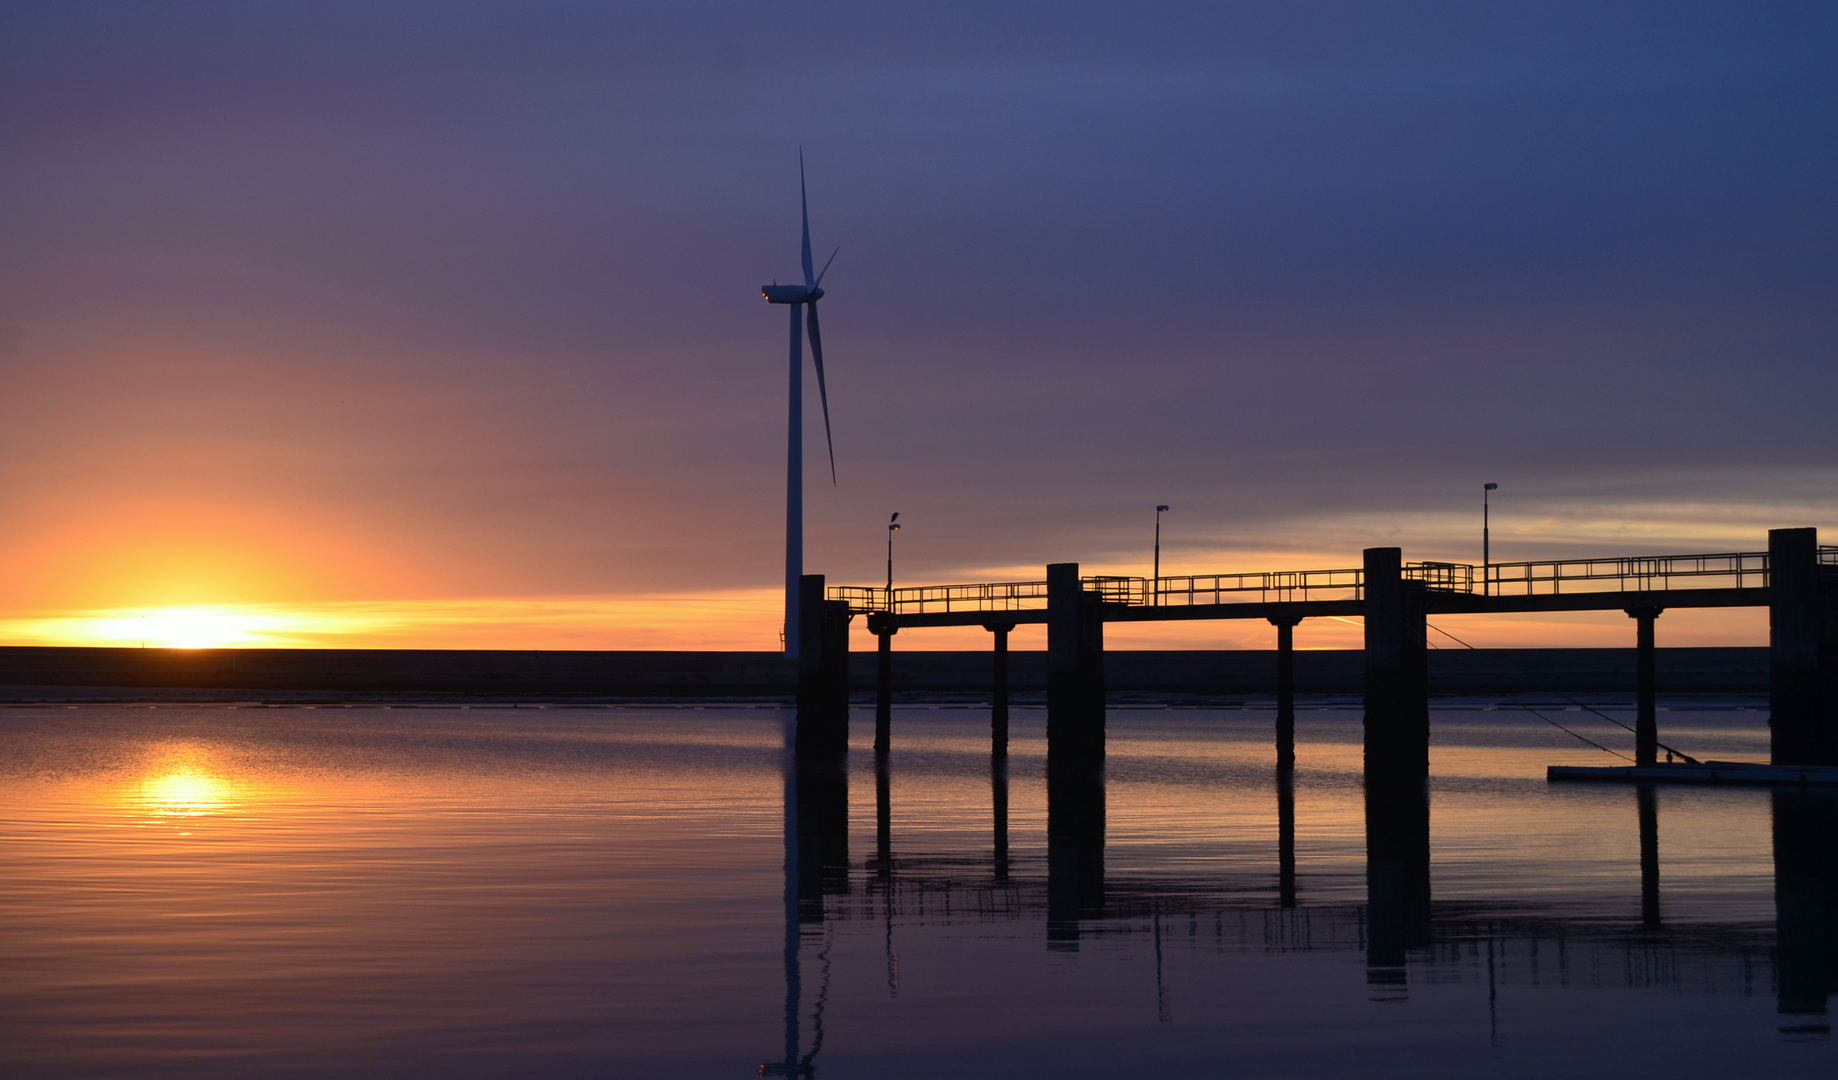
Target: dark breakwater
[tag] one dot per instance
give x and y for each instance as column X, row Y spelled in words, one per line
column 49, row 674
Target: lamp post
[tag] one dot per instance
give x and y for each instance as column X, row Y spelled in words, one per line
column 1157, row 594
column 893, row 526
column 1486, row 553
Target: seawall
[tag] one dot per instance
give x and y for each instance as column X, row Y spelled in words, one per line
column 82, row 674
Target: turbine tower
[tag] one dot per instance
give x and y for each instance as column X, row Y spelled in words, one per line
column 800, row 296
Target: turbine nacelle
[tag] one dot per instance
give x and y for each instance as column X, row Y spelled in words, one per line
column 791, row 294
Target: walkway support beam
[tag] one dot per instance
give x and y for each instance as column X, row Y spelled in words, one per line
column 823, row 674
column 1285, row 690
column 998, row 696
column 1803, row 648
column 1646, row 679
column 883, row 627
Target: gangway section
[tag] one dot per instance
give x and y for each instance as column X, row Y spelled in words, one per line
column 1281, row 586
column 1646, row 574
column 1744, row 571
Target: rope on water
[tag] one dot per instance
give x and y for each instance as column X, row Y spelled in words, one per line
column 1689, row 760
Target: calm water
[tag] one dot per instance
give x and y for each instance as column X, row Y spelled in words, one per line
column 593, row 892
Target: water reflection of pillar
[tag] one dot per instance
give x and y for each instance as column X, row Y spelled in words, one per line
column 822, row 797
column 1397, row 873
column 1286, row 838
column 1075, row 848
column 1806, row 904
column 1649, row 855
column 883, row 818
column 998, row 800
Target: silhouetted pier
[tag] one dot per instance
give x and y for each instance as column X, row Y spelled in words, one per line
column 1796, row 579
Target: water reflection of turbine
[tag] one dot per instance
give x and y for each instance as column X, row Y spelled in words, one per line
column 816, row 863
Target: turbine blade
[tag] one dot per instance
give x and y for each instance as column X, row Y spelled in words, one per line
column 823, row 393
column 810, row 282
column 826, row 265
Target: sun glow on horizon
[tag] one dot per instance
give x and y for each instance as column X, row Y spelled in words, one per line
column 730, row 621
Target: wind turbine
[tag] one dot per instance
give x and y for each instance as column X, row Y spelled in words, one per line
column 800, row 296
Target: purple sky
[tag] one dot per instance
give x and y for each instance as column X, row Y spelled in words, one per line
column 373, row 301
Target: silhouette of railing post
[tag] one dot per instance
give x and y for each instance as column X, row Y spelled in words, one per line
column 1075, row 668
column 823, row 674
column 1803, row 647
column 1285, row 689
column 998, row 697
column 1646, row 680
column 884, row 628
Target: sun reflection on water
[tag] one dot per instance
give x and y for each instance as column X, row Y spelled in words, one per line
column 184, row 787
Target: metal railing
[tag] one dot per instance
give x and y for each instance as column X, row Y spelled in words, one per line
column 1736, row 569
column 932, row 599
column 1279, row 586
column 1741, row 569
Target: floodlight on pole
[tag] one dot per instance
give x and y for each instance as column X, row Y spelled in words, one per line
column 893, row 526
column 1156, row 595
column 1486, row 553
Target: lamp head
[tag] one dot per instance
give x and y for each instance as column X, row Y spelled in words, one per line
column 1489, row 487
column 1161, row 508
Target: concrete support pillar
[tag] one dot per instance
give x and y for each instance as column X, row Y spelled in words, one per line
column 1075, row 669
column 1285, row 690
column 883, row 628
column 998, row 695
column 1803, row 643
column 823, row 674
column 1397, row 670
column 1646, row 679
